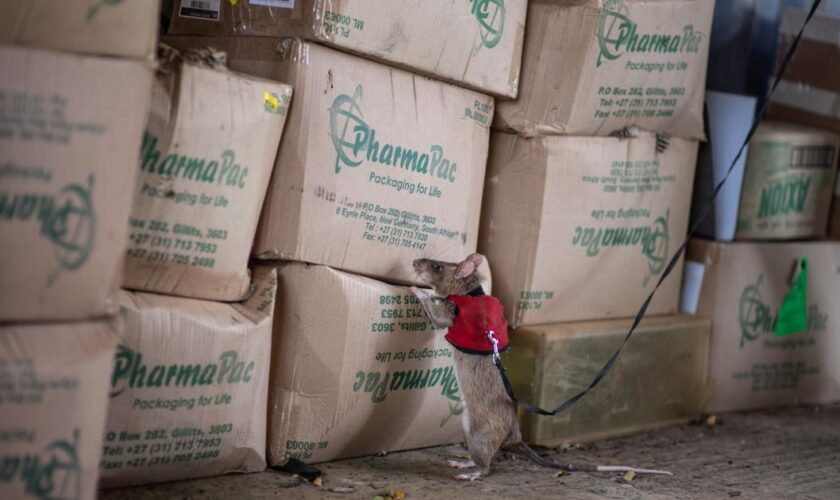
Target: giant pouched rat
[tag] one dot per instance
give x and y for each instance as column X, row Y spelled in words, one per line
column 489, row 417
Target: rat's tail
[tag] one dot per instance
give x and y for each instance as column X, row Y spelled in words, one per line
column 523, row 449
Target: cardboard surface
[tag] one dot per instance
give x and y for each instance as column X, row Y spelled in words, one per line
column 742, row 288
column 661, row 377
column 592, row 67
column 788, row 182
column 356, row 369
column 579, row 228
column 70, row 130
column 377, row 167
column 251, row 55
column 53, row 401
column 206, row 159
column 475, row 43
column 189, row 389
column 125, row 28
column 809, row 93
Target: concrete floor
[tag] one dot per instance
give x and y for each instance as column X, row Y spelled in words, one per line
column 792, row 453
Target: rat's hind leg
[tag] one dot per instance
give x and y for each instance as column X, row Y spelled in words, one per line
column 469, row 476
column 481, row 452
column 483, row 447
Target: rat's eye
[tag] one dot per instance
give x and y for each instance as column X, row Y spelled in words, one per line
column 437, row 268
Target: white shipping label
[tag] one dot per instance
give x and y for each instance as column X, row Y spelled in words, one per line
column 283, row 4
column 201, row 9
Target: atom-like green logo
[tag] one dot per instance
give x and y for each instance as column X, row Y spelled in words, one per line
column 455, row 409
column 655, row 248
column 754, row 316
column 490, row 15
column 456, row 406
column 94, row 9
column 54, row 474
column 613, row 29
column 346, row 116
column 71, row 228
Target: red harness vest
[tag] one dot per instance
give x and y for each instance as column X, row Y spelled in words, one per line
column 476, row 316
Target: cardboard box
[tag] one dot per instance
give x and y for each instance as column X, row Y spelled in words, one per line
column 206, row 159
column 189, row 387
column 377, row 167
column 580, row 228
column 591, row 67
column 475, row 43
column 809, row 93
column 125, row 28
column 70, row 130
column 53, row 401
column 788, row 182
column 660, row 379
column 356, row 369
column 250, row 55
column 741, row 286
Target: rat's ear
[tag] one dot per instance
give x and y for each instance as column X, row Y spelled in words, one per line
column 468, row 266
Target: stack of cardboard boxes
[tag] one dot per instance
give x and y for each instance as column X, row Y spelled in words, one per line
column 265, row 242
column 75, row 84
column 587, row 196
column 772, row 294
column 382, row 162
column 82, row 216
column 189, row 389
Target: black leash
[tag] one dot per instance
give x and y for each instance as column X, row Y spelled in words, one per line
column 680, row 251
column 296, row 467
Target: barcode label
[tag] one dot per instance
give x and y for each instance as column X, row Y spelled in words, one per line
column 283, row 4
column 812, row 157
column 201, row 9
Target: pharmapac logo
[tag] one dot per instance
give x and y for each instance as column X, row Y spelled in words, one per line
column 653, row 240
column 490, row 15
column 617, row 34
column 130, row 372
column 355, row 142
column 756, row 318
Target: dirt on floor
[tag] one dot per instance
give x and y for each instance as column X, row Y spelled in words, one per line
column 792, row 453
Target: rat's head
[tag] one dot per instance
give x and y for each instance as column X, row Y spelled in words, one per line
column 450, row 278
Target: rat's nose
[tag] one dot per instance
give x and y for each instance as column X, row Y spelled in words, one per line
column 416, row 263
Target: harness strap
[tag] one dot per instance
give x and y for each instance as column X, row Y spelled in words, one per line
column 491, row 336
